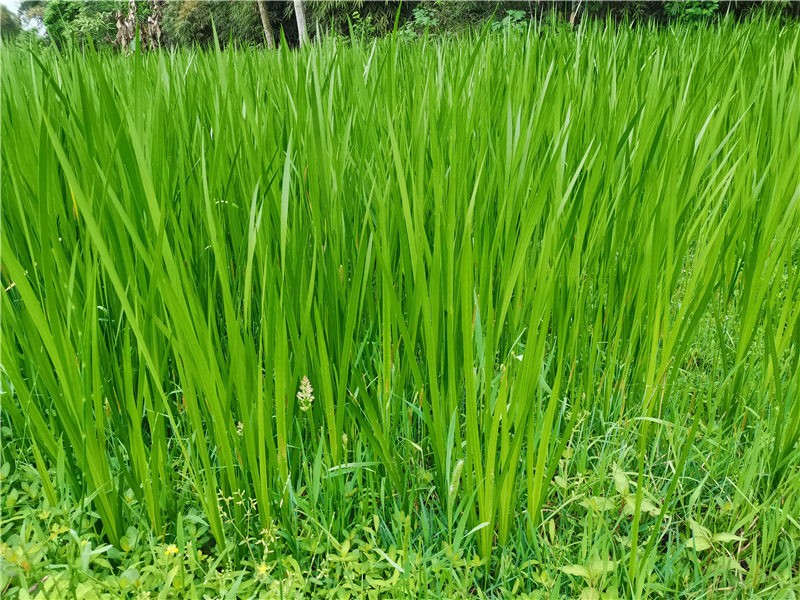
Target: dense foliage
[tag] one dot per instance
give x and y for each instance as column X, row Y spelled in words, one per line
column 9, row 23
column 187, row 22
column 512, row 312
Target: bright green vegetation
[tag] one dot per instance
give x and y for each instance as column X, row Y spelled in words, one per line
column 545, row 289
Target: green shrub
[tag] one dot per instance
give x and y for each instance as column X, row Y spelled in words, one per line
column 73, row 21
column 513, row 19
column 691, row 10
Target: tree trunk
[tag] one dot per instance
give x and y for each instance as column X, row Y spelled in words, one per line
column 576, row 7
column 266, row 24
column 300, row 13
column 128, row 34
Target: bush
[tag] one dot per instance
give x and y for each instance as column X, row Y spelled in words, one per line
column 514, row 19
column 71, row 20
column 58, row 18
column 691, row 10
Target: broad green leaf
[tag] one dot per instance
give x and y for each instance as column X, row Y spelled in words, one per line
column 621, row 481
column 577, row 571
column 590, row 593
column 725, row 538
column 598, row 503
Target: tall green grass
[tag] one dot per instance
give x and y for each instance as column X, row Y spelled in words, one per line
column 485, row 254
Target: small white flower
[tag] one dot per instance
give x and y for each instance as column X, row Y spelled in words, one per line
column 306, row 394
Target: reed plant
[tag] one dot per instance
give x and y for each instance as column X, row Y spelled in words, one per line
column 453, row 278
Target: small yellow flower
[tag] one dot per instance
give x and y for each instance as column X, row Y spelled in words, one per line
column 171, row 550
column 261, row 569
column 56, row 530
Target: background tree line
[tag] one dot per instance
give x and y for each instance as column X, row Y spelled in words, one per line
column 267, row 22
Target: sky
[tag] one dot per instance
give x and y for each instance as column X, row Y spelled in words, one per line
column 12, row 5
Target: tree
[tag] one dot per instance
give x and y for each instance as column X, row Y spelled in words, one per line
column 300, row 14
column 188, row 22
column 80, row 21
column 59, row 15
column 269, row 36
column 31, row 13
column 9, row 24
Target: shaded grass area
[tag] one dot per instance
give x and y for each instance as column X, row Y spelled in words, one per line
column 502, row 314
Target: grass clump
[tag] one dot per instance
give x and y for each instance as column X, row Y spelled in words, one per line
column 503, row 314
